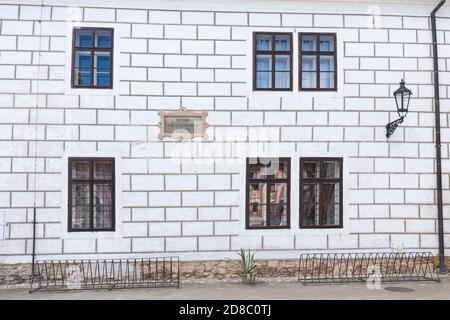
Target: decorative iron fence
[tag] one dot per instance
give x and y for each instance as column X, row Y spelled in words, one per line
column 348, row 267
column 106, row 274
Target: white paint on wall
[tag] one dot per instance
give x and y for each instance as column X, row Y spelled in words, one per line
column 2, row 226
column 173, row 198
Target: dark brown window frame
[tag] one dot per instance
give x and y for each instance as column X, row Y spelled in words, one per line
column 273, row 53
column 91, row 182
column 321, row 180
column 317, row 53
column 92, row 50
column 268, row 181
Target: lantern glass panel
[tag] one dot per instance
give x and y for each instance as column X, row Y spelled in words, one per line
column 402, row 101
column 398, row 101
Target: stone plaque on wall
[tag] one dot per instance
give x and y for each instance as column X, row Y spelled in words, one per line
column 182, row 124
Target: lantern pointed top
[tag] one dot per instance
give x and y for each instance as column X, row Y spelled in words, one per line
column 403, row 89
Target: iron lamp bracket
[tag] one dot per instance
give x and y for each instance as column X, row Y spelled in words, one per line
column 391, row 126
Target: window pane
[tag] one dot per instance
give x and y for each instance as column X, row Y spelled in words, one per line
column 327, row 80
column 80, row 169
column 278, row 215
column 327, row 63
column 82, row 76
column 263, row 62
column 264, row 42
column 80, row 206
column 258, row 193
column 309, row 43
column 330, row 204
column 282, row 42
column 283, row 167
column 102, row 65
column 102, row 79
column 282, row 80
column 102, row 195
column 278, row 193
column 103, row 39
column 282, row 63
column 80, row 218
column 326, row 43
column 263, row 80
column 83, row 60
column 80, row 195
column 309, row 80
column 257, row 215
column 103, row 170
column 102, row 206
column 310, row 204
column 102, row 217
column 309, row 63
column 311, row 169
column 102, row 60
column 262, row 168
column 331, row 169
column 83, row 38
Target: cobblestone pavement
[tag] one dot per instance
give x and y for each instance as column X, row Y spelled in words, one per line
column 261, row 290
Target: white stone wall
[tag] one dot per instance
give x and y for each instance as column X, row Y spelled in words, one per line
column 201, row 59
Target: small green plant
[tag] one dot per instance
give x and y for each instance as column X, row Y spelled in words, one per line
column 246, row 266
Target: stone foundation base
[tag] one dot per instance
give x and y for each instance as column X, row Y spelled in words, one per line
column 192, row 272
column 226, row 270
column 14, row 274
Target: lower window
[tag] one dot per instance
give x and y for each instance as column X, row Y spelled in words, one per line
column 268, row 193
column 321, row 193
column 91, row 194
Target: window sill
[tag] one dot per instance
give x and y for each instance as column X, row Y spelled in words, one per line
column 90, row 231
column 333, row 94
column 92, row 91
column 92, row 235
column 272, row 90
column 321, row 228
column 268, row 228
column 92, row 88
column 317, row 90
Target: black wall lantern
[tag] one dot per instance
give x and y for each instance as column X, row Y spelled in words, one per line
column 401, row 96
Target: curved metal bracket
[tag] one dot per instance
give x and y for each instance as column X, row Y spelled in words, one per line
column 391, row 126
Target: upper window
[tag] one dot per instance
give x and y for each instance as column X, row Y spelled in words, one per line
column 272, row 61
column 91, row 194
column 268, row 193
column 317, row 61
column 92, row 58
column 321, row 193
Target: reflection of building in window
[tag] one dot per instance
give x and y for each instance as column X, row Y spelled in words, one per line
column 321, row 193
column 268, row 193
column 91, row 194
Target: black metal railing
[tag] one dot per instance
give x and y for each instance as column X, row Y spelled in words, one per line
column 348, row 267
column 106, row 274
